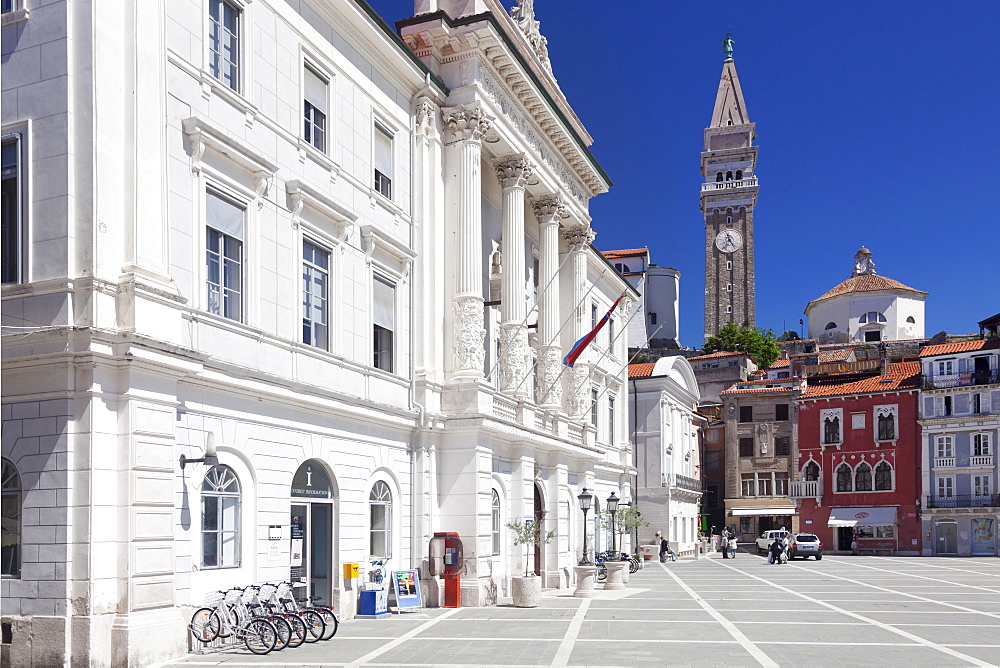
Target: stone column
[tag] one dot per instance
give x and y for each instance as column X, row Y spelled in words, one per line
column 513, row 173
column 466, row 125
column 549, row 210
column 579, row 239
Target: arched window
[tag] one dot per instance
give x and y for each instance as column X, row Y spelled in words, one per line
column 863, row 478
column 10, row 554
column 872, row 316
column 729, row 176
column 910, row 319
column 883, row 477
column 831, row 325
column 220, row 518
column 812, row 471
column 831, row 430
column 718, row 177
column 652, row 318
column 496, row 523
column 622, row 268
column 886, row 427
column 739, row 174
column 843, row 478
column 380, row 512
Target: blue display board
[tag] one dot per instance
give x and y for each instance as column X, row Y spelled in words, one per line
column 407, row 587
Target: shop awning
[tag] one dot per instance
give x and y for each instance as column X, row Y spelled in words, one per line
column 862, row 517
column 744, row 512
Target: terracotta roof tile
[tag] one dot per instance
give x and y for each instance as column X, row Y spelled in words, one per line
column 780, row 364
column 721, row 353
column 628, row 252
column 641, row 370
column 758, row 390
column 865, row 283
column 899, row 376
column 829, row 356
column 961, row 347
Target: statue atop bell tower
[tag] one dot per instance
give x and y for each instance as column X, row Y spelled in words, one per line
column 728, row 197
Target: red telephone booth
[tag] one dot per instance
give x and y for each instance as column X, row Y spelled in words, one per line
column 445, row 561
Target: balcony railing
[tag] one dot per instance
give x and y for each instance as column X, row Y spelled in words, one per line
column 750, row 182
column 961, row 379
column 964, row 501
column 944, row 462
column 804, row 489
column 983, row 460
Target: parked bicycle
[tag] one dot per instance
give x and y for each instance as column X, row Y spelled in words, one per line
column 226, row 615
column 293, row 604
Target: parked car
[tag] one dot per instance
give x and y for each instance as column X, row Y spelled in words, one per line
column 805, row 545
column 768, row 537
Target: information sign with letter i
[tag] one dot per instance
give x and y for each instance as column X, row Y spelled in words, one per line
column 407, row 588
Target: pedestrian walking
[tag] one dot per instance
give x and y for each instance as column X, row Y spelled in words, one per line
column 732, row 546
column 784, row 549
column 724, row 543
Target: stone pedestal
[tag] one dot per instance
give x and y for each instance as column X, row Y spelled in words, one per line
column 585, row 576
column 615, row 579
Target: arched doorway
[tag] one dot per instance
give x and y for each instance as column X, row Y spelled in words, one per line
column 540, row 524
column 312, row 526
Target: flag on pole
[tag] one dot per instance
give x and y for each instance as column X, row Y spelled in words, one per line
column 582, row 344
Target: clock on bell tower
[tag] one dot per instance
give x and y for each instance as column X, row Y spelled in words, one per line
column 728, row 196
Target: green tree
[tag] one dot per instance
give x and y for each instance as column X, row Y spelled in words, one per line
column 789, row 335
column 627, row 520
column 529, row 534
column 760, row 344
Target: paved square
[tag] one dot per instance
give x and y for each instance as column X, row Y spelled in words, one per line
column 839, row 611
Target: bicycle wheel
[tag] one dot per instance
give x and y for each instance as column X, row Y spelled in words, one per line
column 315, row 626
column 602, row 572
column 260, row 636
column 633, row 566
column 298, row 628
column 205, row 625
column 284, row 630
column 331, row 621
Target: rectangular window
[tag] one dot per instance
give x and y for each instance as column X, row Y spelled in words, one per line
column 945, row 447
column 946, row 405
column 383, row 160
column 977, row 403
column 12, row 229
column 945, row 368
column 980, row 445
column 782, row 446
column 946, row 487
column 781, row 412
column 748, row 484
column 315, row 106
column 746, row 413
column 224, row 256
column 981, row 485
column 535, row 269
column 780, row 483
column 746, row 447
column 763, row 484
column 611, row 419
column 886, row 427
column 224, row 42
column 746, row 525
column 384, row 322
column 315, row 295
column 593, row 407
column 593, row 316
column 611, row 335
column 712, row 496
column 885, row 532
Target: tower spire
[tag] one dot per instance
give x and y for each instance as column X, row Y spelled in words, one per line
column 730, row 109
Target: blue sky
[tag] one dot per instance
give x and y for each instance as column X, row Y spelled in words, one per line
column 877, row 124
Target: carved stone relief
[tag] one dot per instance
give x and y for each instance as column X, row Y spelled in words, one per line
column 469, row 334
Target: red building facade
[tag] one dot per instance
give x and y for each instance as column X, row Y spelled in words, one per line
column 859, row 463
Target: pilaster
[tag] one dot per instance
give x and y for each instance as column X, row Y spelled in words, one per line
column 579, row 239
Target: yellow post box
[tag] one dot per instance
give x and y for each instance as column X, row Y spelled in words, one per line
column 351, row 571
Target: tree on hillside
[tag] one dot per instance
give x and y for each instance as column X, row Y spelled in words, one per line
column 758, row 343
column 789, row 335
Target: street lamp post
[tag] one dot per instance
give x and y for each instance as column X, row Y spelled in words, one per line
column 613, row 509
column 586, row 499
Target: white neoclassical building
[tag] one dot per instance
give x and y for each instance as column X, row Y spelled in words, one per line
column 867, row 307
column 333, row 267
column 665, row 429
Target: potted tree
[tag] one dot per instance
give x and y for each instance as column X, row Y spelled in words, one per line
column 527, row 589
column 624, row 520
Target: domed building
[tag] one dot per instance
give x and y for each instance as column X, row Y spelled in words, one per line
column 867, row 307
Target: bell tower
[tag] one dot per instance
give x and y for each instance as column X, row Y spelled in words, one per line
column 728, row 197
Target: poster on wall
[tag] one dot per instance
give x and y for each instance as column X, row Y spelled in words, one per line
column 983, row 536
column 407, row 588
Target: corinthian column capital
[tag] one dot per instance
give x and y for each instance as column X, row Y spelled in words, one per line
column 549, row 208
column 466, row 122
column 513, row 171
column 425, row 112
column 578, row 237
